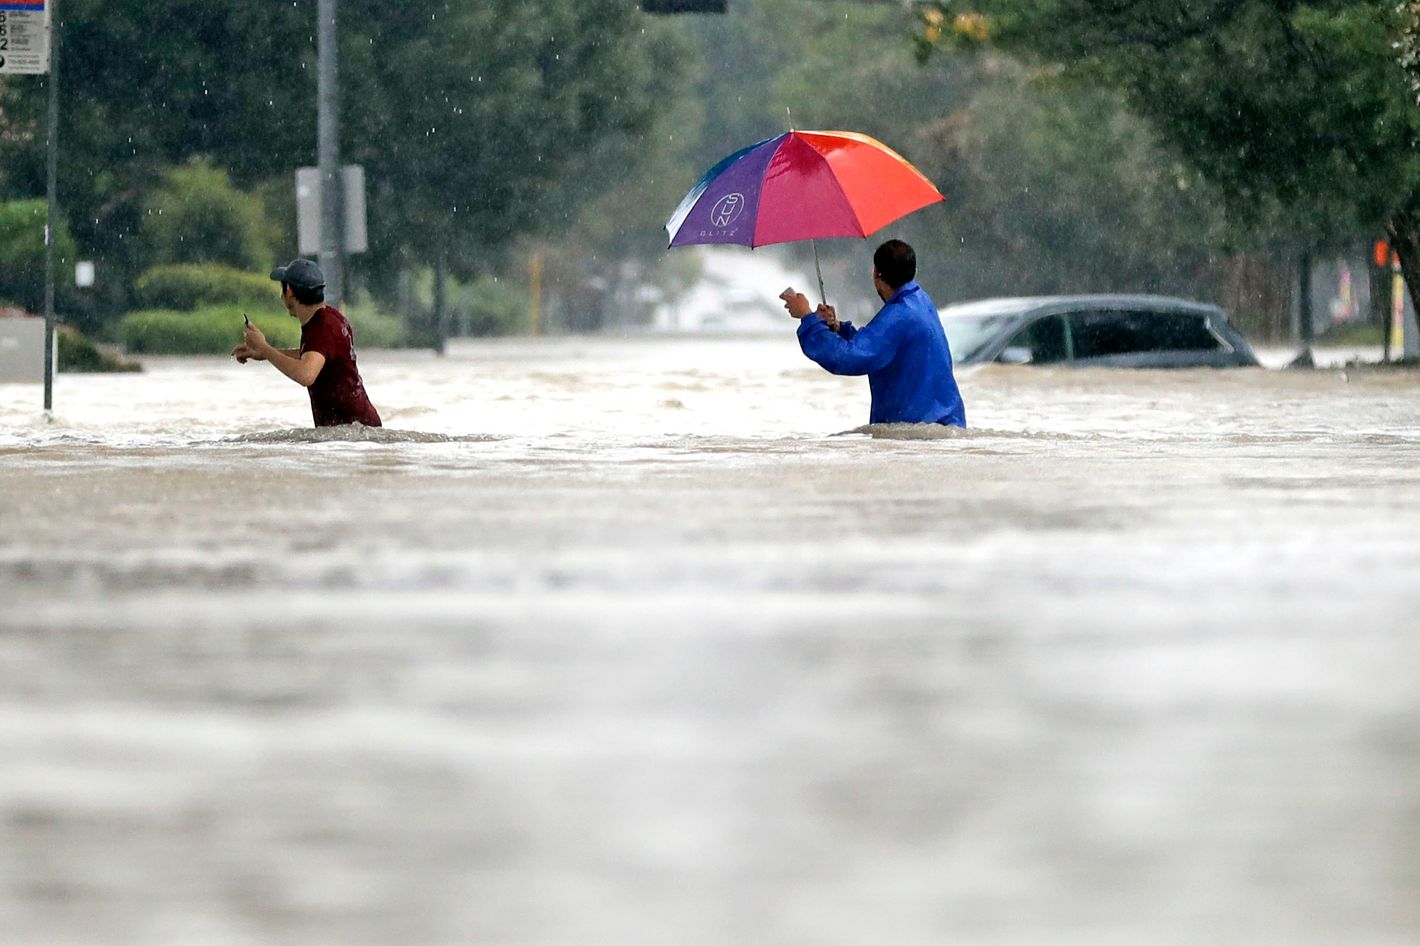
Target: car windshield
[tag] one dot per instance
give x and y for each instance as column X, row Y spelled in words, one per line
column 968, row 334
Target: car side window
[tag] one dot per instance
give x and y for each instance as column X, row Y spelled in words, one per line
column 1099, row 334
column 1040, row 343
column 1185, row 332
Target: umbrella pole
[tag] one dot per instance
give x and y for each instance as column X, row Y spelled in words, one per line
column 822, row 296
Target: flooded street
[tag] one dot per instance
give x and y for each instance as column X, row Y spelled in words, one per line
column 628, row 642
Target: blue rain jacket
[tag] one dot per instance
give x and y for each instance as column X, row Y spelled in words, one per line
column 904, row 353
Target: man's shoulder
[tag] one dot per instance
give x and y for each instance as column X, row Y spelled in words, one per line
column 913, row 304
column 328, row 327
column 919, row 303
column 914, row 293
column 333, row 320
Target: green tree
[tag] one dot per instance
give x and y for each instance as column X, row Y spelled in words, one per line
column 1058, row 189
column 1297, row 112
column 471, row 114
column 148, row 86
column 1051, row 186
column 195, row 215
column 602, row 236
column 1408, row 46
column 22, row 255
column 463, row 114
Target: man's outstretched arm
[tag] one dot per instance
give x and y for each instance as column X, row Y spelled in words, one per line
column 302, row 369
column 867, row 350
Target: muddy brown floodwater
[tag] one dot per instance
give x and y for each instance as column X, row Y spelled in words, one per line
column 628, row 642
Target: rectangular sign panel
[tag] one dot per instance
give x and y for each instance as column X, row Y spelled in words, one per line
column 24, row 37
column 22, row 350
column 352, row 178
column 308, row 211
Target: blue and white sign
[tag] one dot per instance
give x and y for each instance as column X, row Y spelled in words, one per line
column 24, row 37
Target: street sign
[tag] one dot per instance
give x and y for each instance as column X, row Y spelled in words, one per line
column 24, row 37
column 308, row 209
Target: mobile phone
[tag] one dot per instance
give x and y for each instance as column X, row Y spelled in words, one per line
column 245, row 319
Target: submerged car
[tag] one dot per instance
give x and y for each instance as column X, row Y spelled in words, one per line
column 1095, row 331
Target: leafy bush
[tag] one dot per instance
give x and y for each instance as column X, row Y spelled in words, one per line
column 78, row 354
column 183, row 286
column 214, row 330
column 496, row 308
column 22, row 254
column 196, row 215
column 373, row 328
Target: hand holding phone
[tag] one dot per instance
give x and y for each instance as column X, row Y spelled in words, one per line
column 796, row 303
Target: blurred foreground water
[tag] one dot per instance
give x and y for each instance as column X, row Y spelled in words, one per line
column 618, row 642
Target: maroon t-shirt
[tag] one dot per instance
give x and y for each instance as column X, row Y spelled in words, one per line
column 337, row 395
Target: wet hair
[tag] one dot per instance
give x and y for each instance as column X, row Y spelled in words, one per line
column 896, row 263
column 305, row 296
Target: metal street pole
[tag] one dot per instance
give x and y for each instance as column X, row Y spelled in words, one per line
column 51, row 187
column 332, row 211
column 1304, row 300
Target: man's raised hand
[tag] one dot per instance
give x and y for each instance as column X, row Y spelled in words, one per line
column 796, row 303
column 245, row 352
column 252, row 346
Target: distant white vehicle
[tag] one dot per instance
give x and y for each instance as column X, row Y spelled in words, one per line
column 737, row 292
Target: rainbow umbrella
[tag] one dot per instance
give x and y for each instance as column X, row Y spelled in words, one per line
column 802, row 185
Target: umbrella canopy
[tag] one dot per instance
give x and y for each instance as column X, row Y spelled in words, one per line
column 802, row 185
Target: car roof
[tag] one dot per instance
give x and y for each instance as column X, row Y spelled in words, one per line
column 1023, row 305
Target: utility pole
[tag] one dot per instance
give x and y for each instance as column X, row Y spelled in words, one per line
column 51, row 235
column 1304, row 358
column 1304, row 300
column 332, row 211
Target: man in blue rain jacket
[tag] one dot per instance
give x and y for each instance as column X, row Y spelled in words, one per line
column 903, row 350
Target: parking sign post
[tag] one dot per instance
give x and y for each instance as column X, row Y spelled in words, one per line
column 52, row 198
column 29, row 45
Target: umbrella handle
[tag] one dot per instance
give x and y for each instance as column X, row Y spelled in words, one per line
column 822, row 296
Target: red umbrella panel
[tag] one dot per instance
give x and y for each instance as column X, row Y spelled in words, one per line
column 802, row 185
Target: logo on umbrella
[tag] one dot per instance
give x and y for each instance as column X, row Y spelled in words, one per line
column 727, row 210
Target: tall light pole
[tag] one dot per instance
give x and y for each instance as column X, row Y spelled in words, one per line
column 332, row 211
column 51, row 227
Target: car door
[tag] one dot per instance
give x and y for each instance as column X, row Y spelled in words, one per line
column 1128, row 338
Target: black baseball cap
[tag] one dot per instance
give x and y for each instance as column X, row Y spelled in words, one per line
column 300, row 274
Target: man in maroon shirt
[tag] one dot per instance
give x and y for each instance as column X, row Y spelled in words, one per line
column 325, row 362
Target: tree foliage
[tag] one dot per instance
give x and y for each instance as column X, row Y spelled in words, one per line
column 471, row 113
column 140, row 94
column 1057, row 189
column 464, row 114
column 1051, row 186
column 195, row 215
column 1297, row 112
column 1408, row 46
column 22, row 255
